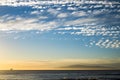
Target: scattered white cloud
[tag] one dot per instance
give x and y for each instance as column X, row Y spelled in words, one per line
column 98, row 6
column 96, row 12
column 35, row 12
column 71, row 8
column 62, row 15
column 80, row 21
column 93, row 30
column 42, row 17
column 53, row 11
column 34, row 2
column 27, row 24
column 58, row 8
column 79, row 13
column 109, row 39
column 76, row 19
column 66, row 28
column 108, row 43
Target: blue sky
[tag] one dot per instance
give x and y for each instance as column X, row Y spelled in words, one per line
column 60, row 32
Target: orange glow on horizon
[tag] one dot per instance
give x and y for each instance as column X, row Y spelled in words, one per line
column 57, row 65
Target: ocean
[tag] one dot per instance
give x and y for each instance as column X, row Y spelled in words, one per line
column 60, row 75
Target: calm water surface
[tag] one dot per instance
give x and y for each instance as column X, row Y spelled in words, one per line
column 53, row 75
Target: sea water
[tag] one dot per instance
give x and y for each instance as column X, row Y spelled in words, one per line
column 59, row 75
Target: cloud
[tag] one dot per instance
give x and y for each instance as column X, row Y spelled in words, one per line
column 77, row 19
column 35, row 12
column 80, row 21
column 53, row 11
column 108, row 43
column 108, row 37
column 62, row 15
column 35, row 2
column 79, row 13
column 43, row 17
column 72, row 8
column 26, row 24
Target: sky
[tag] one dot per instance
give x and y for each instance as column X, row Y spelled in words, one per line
column 60, row 35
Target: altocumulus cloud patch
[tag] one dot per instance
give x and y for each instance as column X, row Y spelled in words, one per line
column 92, row 23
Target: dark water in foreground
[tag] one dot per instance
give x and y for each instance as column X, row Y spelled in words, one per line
column 60, row 75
